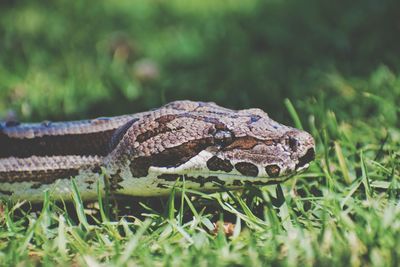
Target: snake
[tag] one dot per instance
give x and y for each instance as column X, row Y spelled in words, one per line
column 199, row 145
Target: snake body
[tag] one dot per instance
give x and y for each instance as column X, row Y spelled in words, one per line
column 146, row 154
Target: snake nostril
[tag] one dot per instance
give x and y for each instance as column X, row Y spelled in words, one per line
column 293, row 143
column 308, row 156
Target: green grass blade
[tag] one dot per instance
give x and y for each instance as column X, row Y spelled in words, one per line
column 79, row 207
column 342, row 163
column 293, row 114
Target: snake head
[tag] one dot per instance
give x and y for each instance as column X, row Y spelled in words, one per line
column 254, row 146
column 207, row 144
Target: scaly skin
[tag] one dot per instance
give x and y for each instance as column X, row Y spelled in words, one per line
column 144, row 154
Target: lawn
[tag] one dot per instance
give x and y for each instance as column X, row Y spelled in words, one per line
column 330, row 68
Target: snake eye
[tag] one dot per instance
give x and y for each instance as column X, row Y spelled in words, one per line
column 223, row 138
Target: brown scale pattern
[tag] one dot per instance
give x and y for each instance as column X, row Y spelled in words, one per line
column 88, row 137
column 44, row 169
column 218, row 164
column 57, row 145
column 247, row 169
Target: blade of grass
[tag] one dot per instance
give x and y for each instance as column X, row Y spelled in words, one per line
column 61, row 239
column 79, row 207
column 107, row 206
column 181, row 210
column 342, row 163
column 365, row 178
column 103, row 213
column 293, row 114
column 133, row 243
column 171, row 205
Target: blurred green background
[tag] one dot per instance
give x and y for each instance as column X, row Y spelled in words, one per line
column 76, row 59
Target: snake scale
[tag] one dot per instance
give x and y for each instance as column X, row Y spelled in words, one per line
column 146, row 154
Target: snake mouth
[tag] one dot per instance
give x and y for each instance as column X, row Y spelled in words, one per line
column 305, row 159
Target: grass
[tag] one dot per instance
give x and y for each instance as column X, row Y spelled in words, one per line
column 336, row 74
